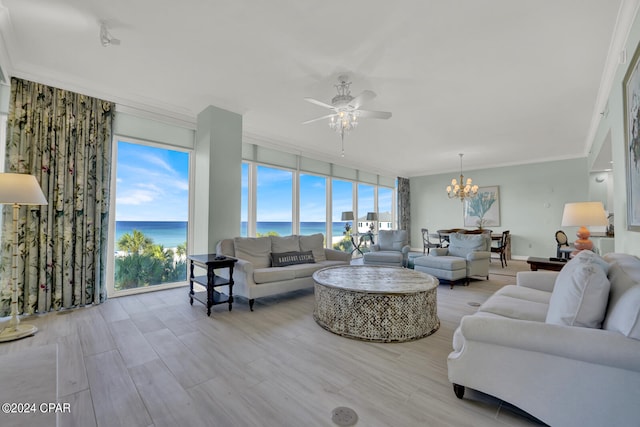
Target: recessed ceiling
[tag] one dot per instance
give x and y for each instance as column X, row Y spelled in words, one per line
column 502, row 81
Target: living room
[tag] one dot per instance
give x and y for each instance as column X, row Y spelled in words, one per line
column 223, row 133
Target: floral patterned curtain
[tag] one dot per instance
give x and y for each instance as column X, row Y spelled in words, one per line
column 64, row 139
column 404, row 206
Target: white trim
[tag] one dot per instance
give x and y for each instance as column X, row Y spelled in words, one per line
column 624, row 23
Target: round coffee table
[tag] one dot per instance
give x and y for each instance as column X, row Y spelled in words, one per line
column 376, row 303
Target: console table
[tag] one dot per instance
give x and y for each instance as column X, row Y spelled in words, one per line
column 211, row 280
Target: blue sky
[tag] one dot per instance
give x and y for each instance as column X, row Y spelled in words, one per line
column 152, row 184
column 274, row 196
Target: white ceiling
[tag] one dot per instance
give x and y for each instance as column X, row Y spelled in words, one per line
column 502, row 81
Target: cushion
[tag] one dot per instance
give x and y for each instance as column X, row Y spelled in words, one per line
column 290, row 258
column 625, row 316
column 392, row 240
column 589, row 256
column 281, row 244
column 272, row 274
column 515, row 308
column 256, row 250
column 315, row 244
column 441, row 262
column 524, row 293
column 580, row 294
column 304, row 270
column 461, row 245
column 225, row 247
column 624, row 273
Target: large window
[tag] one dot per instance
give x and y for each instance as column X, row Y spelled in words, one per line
column 366, row 205
column 274, row 201
column 244, row 201
column 385, row 209
column 151, row 215
column 341, row 201
column 284, row 201
column 313, row 204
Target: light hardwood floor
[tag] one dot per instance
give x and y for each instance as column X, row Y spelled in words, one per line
column 154, row 360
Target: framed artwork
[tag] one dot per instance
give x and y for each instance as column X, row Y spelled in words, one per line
column 483, row 211
column 631, row 86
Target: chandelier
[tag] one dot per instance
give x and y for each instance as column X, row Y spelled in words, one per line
column 462, row 190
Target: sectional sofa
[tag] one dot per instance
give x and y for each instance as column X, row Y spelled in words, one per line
column 273, row 265
column 563, row 346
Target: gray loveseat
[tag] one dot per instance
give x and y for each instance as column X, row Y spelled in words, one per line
column 255, row 277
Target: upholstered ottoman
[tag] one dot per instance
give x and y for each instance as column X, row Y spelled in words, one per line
column 383, row 258
column 448, row 268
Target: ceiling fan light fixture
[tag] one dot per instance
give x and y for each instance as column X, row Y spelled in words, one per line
column 346, row 109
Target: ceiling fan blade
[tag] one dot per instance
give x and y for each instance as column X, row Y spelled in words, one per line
column 361, row 99
column 320, row 103
column 374, row 114
column 319, row 118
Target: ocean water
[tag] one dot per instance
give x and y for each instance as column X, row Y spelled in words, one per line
column 284, row 228
column 172, row 233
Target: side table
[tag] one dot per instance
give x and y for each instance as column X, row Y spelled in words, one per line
column 211, row 280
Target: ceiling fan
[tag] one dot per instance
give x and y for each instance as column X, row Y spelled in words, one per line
column 346, row 108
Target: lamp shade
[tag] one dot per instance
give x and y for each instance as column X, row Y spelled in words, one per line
column 21, row 189
column 584, row 213
column 347, row 216
column 372, row 216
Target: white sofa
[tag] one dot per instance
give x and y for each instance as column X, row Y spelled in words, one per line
column 255, row 277
column 564, row 347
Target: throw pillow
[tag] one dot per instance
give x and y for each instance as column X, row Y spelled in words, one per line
column 589, row 256
column 291, row 258
column 285, row 244
column 256, row 250
column 315, row 244
column 625, row 315
column 580, row 295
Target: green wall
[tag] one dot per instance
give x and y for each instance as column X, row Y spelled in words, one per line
column 532, row 199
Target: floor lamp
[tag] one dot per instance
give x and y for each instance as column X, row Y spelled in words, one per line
column 18, row 189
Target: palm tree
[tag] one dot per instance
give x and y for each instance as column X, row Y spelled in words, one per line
column 136, row 242
column 181, row 250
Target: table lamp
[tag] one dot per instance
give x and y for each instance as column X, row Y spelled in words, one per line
column 18, row 189
column 347, row 216
column 583, row 214
column 372, row 216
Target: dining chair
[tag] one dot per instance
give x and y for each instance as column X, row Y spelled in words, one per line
column 426, row 243
column 564, row 247
column 502, row 248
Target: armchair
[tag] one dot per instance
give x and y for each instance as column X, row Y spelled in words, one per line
column 392, row 249
column 467, row 255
